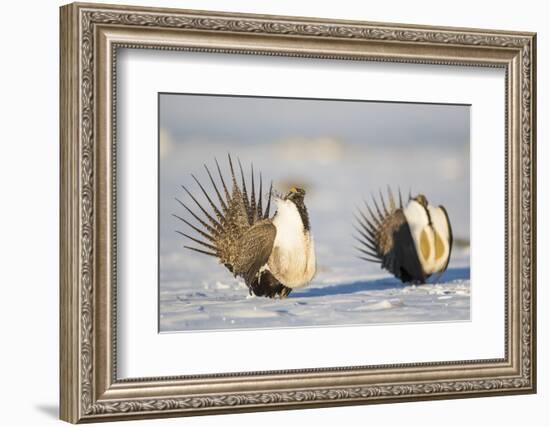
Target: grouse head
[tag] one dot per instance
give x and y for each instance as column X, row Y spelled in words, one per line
column 421, row 199
column 296, row 195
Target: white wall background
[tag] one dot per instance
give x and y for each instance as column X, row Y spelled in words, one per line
column 29, row 170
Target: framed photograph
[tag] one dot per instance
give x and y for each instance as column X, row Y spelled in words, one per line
column 266, row 212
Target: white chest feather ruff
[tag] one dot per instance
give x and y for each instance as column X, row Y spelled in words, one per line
column 431, row 241
column 292, row 260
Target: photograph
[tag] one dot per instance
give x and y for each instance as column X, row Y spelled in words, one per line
column 299, row 212
column 267, row 211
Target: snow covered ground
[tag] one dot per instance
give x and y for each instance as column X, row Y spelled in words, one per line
column 339, row 161
column 368, row 296
column 367, row 300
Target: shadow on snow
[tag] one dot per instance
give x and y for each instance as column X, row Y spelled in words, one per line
column 450, row 275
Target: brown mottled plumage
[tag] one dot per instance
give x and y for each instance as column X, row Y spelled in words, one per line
column 238, row 232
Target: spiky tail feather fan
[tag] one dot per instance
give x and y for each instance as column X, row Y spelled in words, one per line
column 385, row 238
column 370, row 226
column 223, row 227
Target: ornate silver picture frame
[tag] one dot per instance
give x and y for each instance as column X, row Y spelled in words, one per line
column 91, row 37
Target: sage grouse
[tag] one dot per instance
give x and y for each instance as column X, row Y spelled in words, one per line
column 272, row 254
column 411, row 242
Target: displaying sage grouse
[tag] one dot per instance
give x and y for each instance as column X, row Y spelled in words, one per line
column 411, row 242
column 272, row 254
